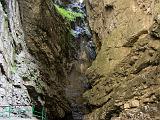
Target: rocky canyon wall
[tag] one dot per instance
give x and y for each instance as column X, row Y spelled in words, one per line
column 125, row 77
column 35, row 50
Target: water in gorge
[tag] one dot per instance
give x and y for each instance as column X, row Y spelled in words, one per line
column 85, row 55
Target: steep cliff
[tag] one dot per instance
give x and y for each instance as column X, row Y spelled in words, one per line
column 125, row 77
column 47, row 36
column 41, row 65
column 35, row 52
column 12, row 52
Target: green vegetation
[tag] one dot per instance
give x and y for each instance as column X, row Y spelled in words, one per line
column 69, row 15
column 13, row 69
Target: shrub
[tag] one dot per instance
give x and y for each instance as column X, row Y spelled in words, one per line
column 67, row 14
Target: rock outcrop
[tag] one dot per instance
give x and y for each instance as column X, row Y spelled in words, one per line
column 12, row 61
column 48, row 40
column 37, row 57
column 35, row 51
column 125, row 76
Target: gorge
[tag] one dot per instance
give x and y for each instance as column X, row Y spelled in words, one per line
column 80, row 60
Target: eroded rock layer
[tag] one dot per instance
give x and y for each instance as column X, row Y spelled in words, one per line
column 125, row 76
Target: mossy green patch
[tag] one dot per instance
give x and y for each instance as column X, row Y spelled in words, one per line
column 13, row 69
column 67, row 14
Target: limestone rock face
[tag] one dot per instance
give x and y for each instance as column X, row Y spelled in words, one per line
column 125, row 76
column 12, row 90
column 34, row 55
column 47, row 38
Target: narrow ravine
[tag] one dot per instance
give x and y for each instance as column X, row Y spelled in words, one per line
column 84, row 56
column 50, row 68
column 45, row 48
column 74, row 91
column 78, row 84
